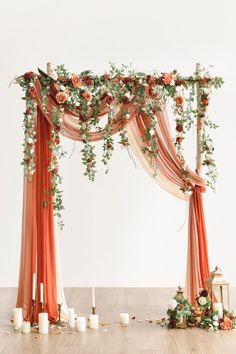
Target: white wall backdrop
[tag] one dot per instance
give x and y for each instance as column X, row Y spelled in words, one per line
column 122, row 229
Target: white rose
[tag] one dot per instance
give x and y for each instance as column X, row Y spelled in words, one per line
column 172, row 304
column 31, row 151
column 202, row 300
column 127, row 115
column 62, row 88
column 151, row 131
column 216, row 324
column 30, row 141
column 127, row 94
column 215, row 318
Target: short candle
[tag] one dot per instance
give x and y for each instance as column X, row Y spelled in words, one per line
column 43, row 323
column 17, row 317
column 81, row 324
column 93, row 321
column 26, row 329
column 124, row 319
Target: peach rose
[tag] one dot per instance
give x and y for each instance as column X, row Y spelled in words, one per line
column 179, row 100
column 226, row 324
column 75, row 81
column 167, row 78
column 61, row 97
column 86, row 95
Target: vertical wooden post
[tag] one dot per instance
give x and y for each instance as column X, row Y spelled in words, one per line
column 199, row 129
column 49, row 68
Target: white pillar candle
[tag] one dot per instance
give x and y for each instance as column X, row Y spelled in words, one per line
column 93, row 321
column 25, row 327
column 217, row 306
column 71, row 312
column 124, row 319
column 34, row 287
column 81, row 324
column 41, row 292
column 43, row 323
column 17, row 317
column 93, row 296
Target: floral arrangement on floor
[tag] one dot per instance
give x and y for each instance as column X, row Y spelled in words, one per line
column 181, row 314
column 84, row 92
column 210, row 319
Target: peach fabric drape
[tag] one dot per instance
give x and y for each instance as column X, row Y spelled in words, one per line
column 38, row 243
column 169, row 177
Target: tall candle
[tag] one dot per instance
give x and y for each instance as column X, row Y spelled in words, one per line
column 81, row 324
column 41, row 292
column 93, row 296
column 93, row 321
column 124, row 319
column 43, row 323
column 59, row 297
column 34, row 287
column 71, row 312
column 217, row 306
column 17, row 317
column 25, row 327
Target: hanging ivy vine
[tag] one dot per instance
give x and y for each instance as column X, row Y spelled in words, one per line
column 85, row 94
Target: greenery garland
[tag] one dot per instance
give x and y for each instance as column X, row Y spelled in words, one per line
column 84, row 95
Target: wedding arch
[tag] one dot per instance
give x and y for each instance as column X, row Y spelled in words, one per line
column 132, row 105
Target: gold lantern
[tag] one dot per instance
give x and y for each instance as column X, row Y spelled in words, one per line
column 179, row 294
column 216, row 282
column 179, row 297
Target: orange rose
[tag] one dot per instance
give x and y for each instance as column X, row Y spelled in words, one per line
column 106, row 77
column 167, row 78
column 61, row 97
column 86, row 95
column 179, row 100
column 75, row 81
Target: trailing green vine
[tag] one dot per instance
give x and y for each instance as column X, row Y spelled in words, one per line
column 87, row 94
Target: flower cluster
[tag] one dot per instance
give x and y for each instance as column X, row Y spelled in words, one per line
column 180, row 313
column 210, row 319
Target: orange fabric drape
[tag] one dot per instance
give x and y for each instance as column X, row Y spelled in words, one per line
column 38, row 244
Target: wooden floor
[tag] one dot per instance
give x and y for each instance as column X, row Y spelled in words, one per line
column 138, row 338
